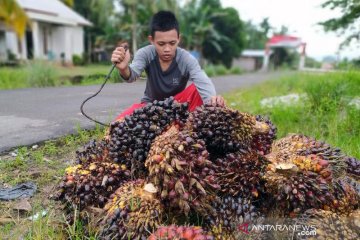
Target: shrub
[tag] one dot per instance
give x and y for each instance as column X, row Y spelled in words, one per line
column 41, row 74
column 77, row 60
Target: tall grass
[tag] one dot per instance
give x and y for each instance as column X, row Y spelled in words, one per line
column 12, row 78
column 41, row 74
column 325, row 115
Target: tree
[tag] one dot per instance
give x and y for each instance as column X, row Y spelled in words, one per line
column 231, row 28
column 13, row 16
column 347, row 22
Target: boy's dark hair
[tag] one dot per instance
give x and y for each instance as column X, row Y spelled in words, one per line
column 163, row 21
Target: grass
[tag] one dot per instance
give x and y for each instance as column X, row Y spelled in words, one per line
column 45, row 166
column 326, row 114
column 220, row 70
column 45, row 74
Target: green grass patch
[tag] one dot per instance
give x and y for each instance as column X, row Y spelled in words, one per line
column 45, row 166
column 325, row 115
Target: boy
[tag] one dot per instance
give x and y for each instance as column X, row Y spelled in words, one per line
column 168, row 67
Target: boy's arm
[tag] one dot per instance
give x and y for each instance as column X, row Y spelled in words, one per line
column 202, row 82
column 131, row 72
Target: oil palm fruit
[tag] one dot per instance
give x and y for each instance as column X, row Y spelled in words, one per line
column 297, row 144
column 178, row 166
column 223, row 129
column 180, row 232
column 326, row 225
column 353, row 167
column 231, row 212
column 133, row 212
column 295, row 191
column 130, row 139
column 262, row 140
column 92, row 151
column 92, row 183
column 347, row 198
column 241, row 173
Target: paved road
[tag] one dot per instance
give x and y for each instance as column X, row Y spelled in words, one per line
column 28, row 116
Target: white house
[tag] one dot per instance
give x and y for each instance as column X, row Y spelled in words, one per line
column 56, row 31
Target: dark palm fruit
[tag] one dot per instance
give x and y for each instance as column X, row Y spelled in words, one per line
column 223, row 129
column 92, row 183
column 178, row 166
column 133, row 212
column 297, row 144
column 296, row 191
column 130, row 138
column 326, row 225
column 353, row 167
column 241, row 173
column 347, row 198
column 353, row 183
column 180, row 232
column 262, row 140
column 92, row 151
column 231, row 212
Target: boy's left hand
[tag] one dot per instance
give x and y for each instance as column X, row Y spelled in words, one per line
column 217, row 101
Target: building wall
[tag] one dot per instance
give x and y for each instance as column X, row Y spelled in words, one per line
column 245, row 63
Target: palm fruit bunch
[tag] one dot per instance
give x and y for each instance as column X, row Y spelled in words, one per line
column 223, row 129
column 92, row 151
column 133, row 212
column 296, row 191
column 174, row 232
column 231, row 212
column 241, row 173
column 325, row 225
column 91, row 183
column 178, row 166
column 262, row 140
column 353, row 167
column 297, row 144
column 346, row 198
column 130, row 139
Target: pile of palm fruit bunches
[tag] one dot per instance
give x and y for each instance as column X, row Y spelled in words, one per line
column 167, row 173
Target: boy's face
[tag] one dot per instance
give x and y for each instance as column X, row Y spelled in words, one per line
column 165, row 44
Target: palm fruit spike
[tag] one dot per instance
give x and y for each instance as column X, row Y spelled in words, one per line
column 180, row 232
column 133, row 212
column 262, row 140
column 353, row 167
column 298, row 144
column 241, row 173
column 296, row 191
column 178, row 166
column 92, row 151
column 231, row 212
column 347, row 198
column 223, row 129
column 92, row 183
column 327, row 225
column 130, row 139
column 313, row 163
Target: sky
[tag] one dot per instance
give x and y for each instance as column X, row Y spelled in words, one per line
column 301, row 17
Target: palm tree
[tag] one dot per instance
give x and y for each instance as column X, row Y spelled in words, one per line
column 13, row 16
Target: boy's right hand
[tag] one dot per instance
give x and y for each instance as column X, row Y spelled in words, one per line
column 121, row 57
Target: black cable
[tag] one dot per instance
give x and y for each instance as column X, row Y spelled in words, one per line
column 82, row 105
column 106, row 78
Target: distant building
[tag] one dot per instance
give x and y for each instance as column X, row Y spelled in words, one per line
column 56, row 33
column 250, row 59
